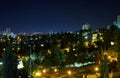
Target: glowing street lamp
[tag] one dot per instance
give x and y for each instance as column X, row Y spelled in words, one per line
column 69, row 72
column 55, row 70
column 112, row 43
column 109, row 57
column 44, row 71
column 96, row 69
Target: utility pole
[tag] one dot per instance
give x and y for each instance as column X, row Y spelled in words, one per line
column 104, row 68
column 30, row 62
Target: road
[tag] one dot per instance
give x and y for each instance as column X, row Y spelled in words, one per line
column 63, row 73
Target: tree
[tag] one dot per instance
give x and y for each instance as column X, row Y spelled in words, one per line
column 118, row 47
column 110, row 35
column 9, row 63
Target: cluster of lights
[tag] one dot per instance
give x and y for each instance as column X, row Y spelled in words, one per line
column 38, row 74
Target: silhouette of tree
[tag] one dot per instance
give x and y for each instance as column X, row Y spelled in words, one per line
column 10, row 63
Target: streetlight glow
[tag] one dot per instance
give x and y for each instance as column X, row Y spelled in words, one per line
column 55, row 70
column 44, row 71
column 69, row 72
column 96, row 69
column 109, row 57
column 112, row 43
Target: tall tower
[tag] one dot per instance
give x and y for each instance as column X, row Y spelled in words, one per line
column 118, row 21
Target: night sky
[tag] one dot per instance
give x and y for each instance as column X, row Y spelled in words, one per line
column 56, row 15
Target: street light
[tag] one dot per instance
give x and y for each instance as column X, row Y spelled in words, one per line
column 109, row 57
column 69, row 72
column 55, row 70
column 44, row 71
column 112, row 43
column 96, row 70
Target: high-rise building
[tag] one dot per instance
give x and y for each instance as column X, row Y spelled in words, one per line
column 118, row 21
column 85, row 27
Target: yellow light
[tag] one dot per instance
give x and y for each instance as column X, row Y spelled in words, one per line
column 49, row 52
column 55, row 70
column 44, row 71
column 96, row 69
column 109, row 57
column 37, row 74
column 67, row 49
column 112, row 43
column 18, row 37
column 69, row 72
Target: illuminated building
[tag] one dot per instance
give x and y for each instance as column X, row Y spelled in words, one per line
column 95, row 36
column 85, row 27
column 86, row 31
column 86, row 34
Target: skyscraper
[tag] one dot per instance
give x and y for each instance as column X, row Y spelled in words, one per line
column 118, row 21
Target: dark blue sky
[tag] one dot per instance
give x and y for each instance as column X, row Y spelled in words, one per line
column 56, row 15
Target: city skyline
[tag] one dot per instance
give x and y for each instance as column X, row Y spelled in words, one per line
column 56, row 15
